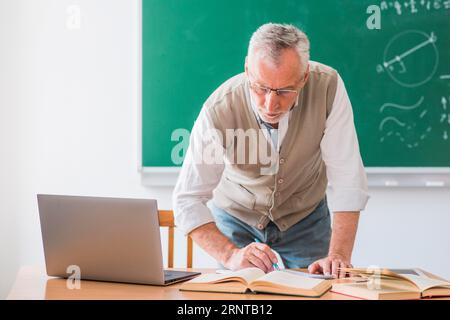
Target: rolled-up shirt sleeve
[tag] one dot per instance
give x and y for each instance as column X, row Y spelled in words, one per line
column 347, row 178
column 197, row 180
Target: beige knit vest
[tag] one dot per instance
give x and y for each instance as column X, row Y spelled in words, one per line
column 288, row 191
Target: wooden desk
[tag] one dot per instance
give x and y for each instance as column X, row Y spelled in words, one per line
column 33, row 283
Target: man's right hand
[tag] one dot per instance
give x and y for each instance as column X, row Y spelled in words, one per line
column 210, row 239
column 254, row 255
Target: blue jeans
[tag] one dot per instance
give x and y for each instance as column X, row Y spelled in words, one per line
column 305, row 242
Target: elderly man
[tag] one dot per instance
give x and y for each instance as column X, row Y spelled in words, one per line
column 240, row 212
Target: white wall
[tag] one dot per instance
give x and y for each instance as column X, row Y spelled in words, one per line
column 406, row 228
column 10, row 182
column 69, row 125
column 69, row 117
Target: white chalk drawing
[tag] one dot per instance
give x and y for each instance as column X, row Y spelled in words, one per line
column 401, row 124
column 445, row 117
column 404, row 131
column 393, row 105
column 413, row 7
column 411, row 59
column 400, row 58
column 409, row 131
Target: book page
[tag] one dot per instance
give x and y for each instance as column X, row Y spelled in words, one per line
column 424, row 283
column 374, row 273
column 396, row 289
column 244, row 275
column 290, row 280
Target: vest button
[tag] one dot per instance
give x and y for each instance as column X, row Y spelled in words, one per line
column 282, row 160
column 260, row 226
column 280, row 181
column 277, row 194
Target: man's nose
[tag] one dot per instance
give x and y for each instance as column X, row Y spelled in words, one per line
column 271, row 101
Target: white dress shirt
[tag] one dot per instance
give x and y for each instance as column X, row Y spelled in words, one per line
column 340, row 151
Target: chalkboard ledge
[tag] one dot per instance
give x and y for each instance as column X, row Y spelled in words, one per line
column 377, row 177
column 408, row 177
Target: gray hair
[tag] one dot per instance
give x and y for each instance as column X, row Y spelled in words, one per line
column 273, row 38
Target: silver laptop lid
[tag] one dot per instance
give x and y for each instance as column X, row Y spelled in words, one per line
column 109, row 239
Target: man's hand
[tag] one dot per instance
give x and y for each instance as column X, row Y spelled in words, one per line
column 330, row 266
column 210, row 239
column 254, row 255
column 343, row 235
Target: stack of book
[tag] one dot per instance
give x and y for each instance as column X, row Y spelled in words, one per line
column 385, row 284
column 363, row 283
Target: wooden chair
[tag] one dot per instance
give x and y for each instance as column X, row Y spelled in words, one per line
column 166, row 219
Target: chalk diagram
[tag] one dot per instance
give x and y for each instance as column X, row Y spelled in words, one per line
column 445, row 117
column 402, row 54
column 405, row 132
column 412, row 133
column 411, row 60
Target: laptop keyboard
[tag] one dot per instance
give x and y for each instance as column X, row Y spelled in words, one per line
column 168, row 274
column 171, row 275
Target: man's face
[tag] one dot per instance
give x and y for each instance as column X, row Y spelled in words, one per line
column 263, row 74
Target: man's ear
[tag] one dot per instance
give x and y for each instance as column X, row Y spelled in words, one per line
column 306, row 75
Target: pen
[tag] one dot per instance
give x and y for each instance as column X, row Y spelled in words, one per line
column 275, row 266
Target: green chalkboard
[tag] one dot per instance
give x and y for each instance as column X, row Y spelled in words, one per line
column 397, row 77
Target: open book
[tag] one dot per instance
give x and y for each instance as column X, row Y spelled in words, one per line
column 256, row 280
column 385, row 284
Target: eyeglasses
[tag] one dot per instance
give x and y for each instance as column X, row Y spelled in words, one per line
column 264, row 91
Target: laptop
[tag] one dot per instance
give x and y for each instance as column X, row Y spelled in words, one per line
column 105, row 239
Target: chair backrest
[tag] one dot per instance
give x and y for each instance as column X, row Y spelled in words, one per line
column 166, row 219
